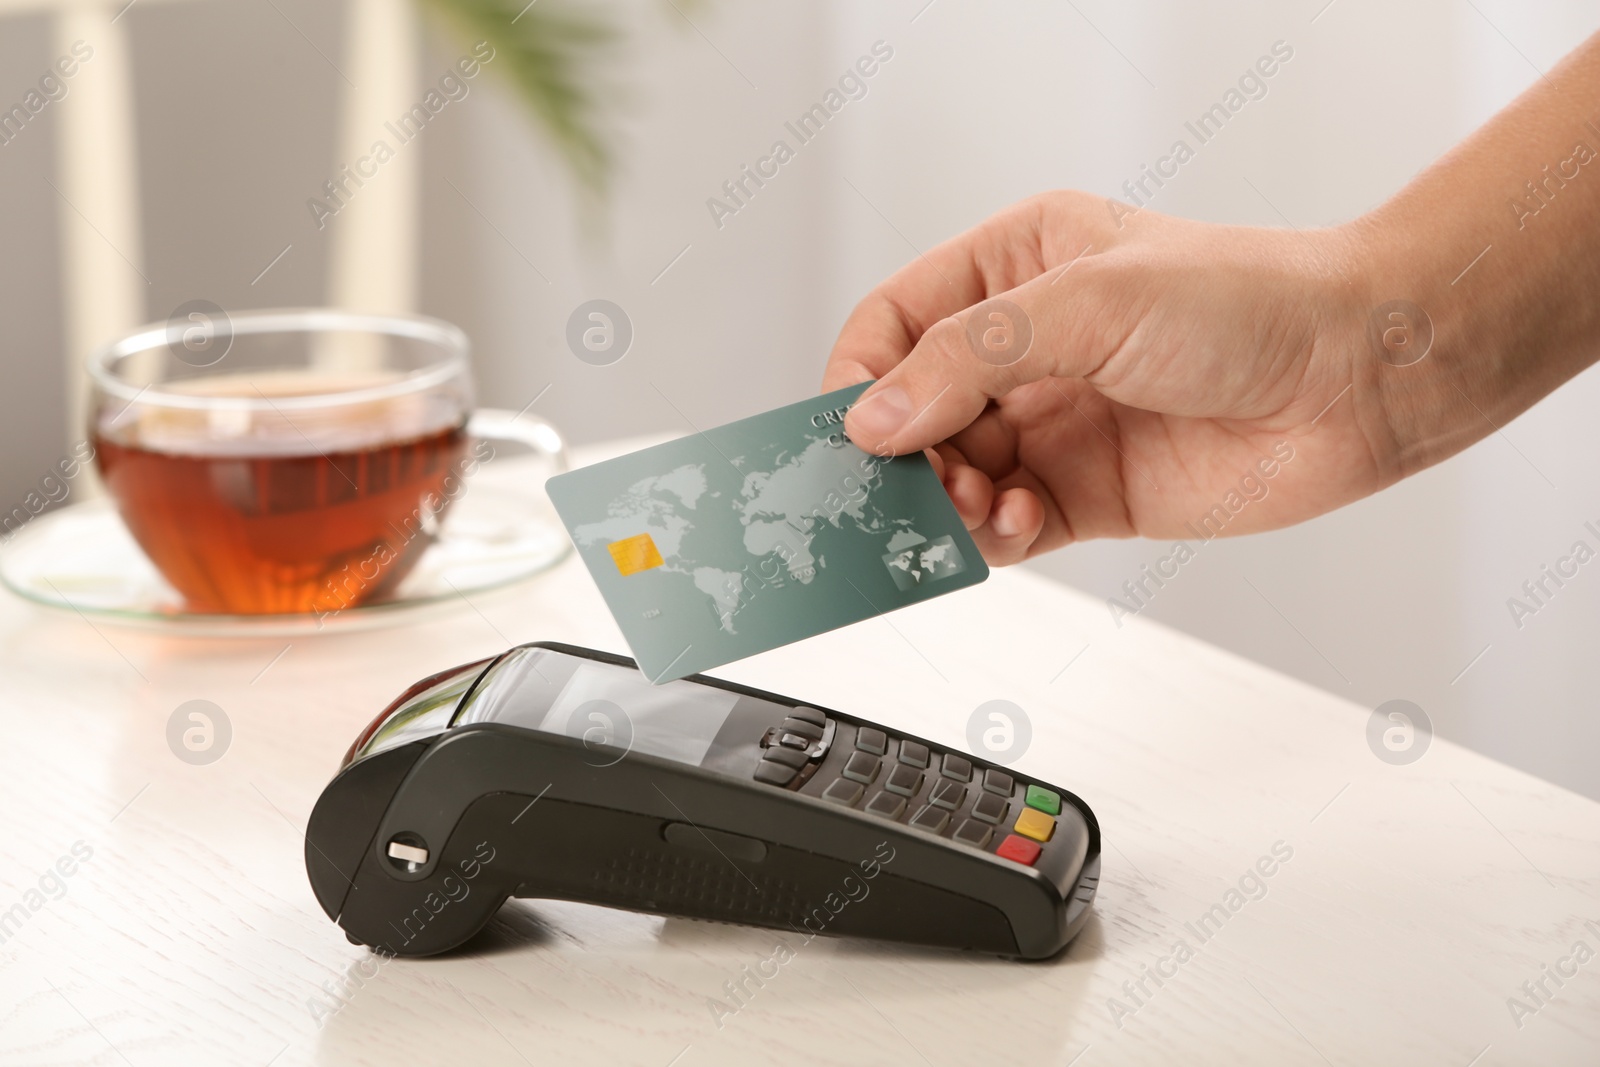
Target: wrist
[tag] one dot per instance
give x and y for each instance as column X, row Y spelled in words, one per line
column 1420, row 352
column 1494, row 244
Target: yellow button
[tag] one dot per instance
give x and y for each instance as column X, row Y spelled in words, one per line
column 1035, row 824
column 635, row 554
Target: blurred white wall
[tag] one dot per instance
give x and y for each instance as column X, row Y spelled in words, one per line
column 980, row 105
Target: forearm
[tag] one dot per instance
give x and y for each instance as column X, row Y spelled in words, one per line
column 1499, row 242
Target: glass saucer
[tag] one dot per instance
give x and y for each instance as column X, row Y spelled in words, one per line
column 82, row 559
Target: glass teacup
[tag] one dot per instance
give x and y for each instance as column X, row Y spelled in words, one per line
column 293, row 460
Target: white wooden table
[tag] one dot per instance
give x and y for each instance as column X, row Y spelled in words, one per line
column 1417, row 900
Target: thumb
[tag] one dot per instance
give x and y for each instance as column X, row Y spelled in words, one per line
column 959, row 364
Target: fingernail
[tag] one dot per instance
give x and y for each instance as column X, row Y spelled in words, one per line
column 881, row 414
column 1004, row 524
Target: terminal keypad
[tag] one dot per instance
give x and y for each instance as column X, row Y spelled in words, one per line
column 903, row 780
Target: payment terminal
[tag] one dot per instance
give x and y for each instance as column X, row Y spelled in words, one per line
column 560, row 772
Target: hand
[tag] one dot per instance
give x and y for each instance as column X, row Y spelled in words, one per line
column 1183, row 380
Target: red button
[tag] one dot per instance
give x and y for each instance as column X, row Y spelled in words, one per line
column 1019, row 849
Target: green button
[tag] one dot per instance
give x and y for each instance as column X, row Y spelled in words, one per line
column 1046, row 800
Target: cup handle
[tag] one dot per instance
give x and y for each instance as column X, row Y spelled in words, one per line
column 530, row 431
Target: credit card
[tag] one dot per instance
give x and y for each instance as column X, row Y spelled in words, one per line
column 760, row 533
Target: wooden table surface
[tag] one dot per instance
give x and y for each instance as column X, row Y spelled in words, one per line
column 1406, row 908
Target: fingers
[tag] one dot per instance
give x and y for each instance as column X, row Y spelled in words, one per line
column 1014, row 523
column 1004, row 527
column 996, row 255
column 971, row 492
column 1034, row 331
column 883, row 327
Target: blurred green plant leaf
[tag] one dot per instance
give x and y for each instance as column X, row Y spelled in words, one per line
column 549, row 52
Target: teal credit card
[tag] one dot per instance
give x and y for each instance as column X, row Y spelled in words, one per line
column 760, row 533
